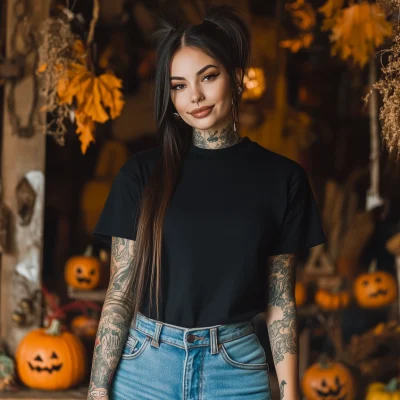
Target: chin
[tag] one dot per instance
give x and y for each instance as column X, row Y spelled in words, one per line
column 205, row 124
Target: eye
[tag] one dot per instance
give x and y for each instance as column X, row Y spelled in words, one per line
column 38, row 358
column 176, row 87
column 365, row 283
column 92, row 272
column 79, row 270
column 53, row 355
column 378, row 279
column 211, row 76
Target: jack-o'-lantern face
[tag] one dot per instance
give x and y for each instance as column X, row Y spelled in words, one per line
column 45, row 363
column 50, row 359
column 331, row 381
column 375, row 289
column 83, row 272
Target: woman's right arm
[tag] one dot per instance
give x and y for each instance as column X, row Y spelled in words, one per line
column 114, row 322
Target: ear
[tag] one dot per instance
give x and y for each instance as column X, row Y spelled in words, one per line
column 239, row 76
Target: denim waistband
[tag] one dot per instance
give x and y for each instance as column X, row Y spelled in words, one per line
column 191, row 337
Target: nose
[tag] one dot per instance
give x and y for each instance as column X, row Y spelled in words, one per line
column 197, row 96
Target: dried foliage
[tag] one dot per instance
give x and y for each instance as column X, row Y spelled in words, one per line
column 55, row 53
column 357, row 30
column 389, row 88
column 375, row 353
column 304, row 18
column 70, row 88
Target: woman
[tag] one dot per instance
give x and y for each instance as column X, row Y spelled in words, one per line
column 224, row 215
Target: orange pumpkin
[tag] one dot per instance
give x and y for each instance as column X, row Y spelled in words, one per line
column 328, row 380
column 300, row 293
column 50, row 360
column 375, row 289
column 84, row 326
column 83, row 272
column 332, row 300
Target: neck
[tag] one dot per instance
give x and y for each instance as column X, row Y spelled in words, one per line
column 215, row 139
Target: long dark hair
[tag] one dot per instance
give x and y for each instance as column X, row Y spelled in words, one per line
column 225, row 36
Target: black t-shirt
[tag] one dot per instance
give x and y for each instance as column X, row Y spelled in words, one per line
column 231, row 209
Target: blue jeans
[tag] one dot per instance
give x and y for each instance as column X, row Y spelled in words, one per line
column 167, row 362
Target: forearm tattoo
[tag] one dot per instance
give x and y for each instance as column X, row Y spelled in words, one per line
column 114, row 322
column 281, row 282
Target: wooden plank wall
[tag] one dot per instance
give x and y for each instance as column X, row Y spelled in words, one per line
column 19, row 156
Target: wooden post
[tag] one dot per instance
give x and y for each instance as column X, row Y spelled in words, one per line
column 23, row 156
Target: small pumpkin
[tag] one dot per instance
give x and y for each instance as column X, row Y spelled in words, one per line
column 49, row 359
column 83, row 271
column 332, row 300
column 300, row 293
column 85, row 326
column 328, row 380
column 380, row 391
column 375, row 289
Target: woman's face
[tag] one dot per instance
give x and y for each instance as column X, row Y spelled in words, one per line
column 198, row 80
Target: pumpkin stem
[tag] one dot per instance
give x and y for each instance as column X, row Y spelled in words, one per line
column 392, row 385
column 324, row 361
column 54, row 328
column 372, row 266
column 89, row 251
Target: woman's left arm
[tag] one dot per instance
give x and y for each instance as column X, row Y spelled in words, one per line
column 281, row 319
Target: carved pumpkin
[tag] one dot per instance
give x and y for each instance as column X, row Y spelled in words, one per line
column 380, row 391
column 300, row 293
column 50, row 360
column 332, row 300
column 85, row 326
column 328, row 380
column 375, row 289
column 83, row 272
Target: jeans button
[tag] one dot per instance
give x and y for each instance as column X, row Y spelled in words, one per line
column 191, row 338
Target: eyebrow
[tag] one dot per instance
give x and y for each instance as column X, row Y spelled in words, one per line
column 197, row 73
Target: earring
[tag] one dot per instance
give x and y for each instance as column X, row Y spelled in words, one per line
column 239, row 89
column 233, row 116
column 176, row 115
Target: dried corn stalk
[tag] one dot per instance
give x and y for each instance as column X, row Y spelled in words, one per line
column 389, row 88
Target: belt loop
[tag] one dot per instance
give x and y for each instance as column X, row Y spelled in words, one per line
column 156, row 336
column 214, row 341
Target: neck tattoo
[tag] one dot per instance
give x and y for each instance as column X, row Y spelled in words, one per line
column 215, row 139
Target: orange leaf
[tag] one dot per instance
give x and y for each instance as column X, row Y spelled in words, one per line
column 358, row 31
column 41, row 68
column 85, row 130
column 111, row 95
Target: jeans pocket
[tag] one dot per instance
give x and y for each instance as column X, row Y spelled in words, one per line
column 245, row 352
column 135, row 344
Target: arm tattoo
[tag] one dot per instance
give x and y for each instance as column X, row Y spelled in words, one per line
column 282, row 388
column 114, row 322
column 281, row 282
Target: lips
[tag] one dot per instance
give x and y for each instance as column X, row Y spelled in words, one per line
column 201, row 112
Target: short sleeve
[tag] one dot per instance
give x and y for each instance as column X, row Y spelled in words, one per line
column 301, row 227
column 120, row 212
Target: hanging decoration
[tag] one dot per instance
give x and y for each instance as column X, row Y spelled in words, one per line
column 356, row 31
column 304, row 18
column 389, row 88
column 74, row 86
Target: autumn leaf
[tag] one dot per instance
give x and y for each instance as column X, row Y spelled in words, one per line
column 300, row 42
column 85, row 130
column 41, row 68
column 331, row 10
column 358, row 31
column 109, row 86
